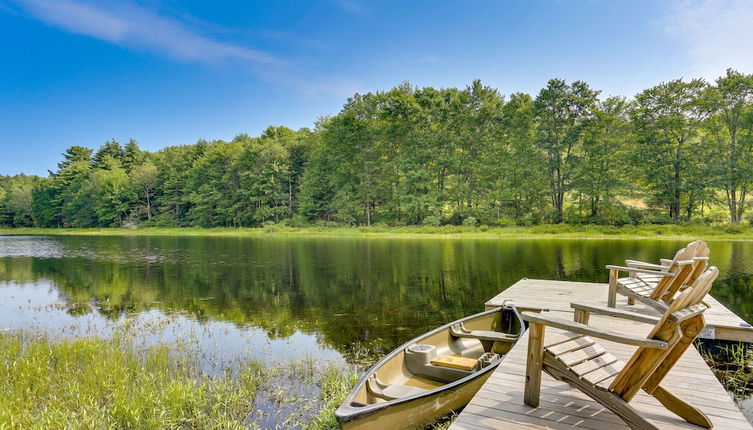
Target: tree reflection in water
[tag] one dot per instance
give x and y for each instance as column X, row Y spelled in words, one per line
column 356, row 295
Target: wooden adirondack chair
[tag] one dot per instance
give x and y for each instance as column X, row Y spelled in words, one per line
column 584, row 364
column 701, row 263
column 656, row 286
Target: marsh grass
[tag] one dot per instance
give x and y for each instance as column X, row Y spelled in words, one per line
column 335, row 385
column 733, row 366
column 114, row 383
column 90, row 383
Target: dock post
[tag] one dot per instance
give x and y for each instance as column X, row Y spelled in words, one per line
column 534, row 365
column 612, row 299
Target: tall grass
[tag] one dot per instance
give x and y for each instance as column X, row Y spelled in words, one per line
column 733, row 366
column 93, row 383
column 102, row 384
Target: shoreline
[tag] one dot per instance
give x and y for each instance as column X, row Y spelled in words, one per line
column 655, row 232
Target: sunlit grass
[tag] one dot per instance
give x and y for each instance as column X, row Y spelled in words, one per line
column 666, row 231
column 335, row 385
column 93, row 383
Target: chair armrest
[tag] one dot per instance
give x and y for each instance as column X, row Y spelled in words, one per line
column 666, row 261
column 637, row 270
column 642, row 265
column 684, row 262
column 583, row 329
column 689, row 312
column 612, row 312
column 701, row 258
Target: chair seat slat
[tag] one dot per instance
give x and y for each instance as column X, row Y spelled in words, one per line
column 571, row 345
column 595, row 363
column 602, row 373
column 576, row 357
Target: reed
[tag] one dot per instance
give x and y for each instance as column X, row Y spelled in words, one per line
column 733, row 366
column 96, row 383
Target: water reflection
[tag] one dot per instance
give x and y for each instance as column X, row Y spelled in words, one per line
column 35, row 307
column 342, row 292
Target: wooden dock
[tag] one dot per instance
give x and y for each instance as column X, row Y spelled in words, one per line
column 499, row 403
column 538, row 294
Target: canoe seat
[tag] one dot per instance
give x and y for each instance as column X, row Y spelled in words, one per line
column 390, row 391
column 459, row 330
column 462, row 363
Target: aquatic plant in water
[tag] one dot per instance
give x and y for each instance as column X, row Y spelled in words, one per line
column 733, row 366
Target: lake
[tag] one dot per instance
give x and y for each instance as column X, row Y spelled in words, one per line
column 288, row 298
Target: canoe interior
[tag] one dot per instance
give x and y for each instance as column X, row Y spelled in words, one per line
column 398, row 376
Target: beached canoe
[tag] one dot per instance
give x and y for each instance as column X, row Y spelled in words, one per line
column 433, row 374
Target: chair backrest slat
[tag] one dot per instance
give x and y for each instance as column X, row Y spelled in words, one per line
column 670, row 285
column 701, row 265
column 645, row 362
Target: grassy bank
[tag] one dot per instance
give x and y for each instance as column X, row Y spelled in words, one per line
column 108, row 384
column 674, row 231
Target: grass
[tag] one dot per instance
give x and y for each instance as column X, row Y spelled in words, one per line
column 335, row 385
column 667, row 231
column 733, row 366
column 87, row 383
column 91, row 383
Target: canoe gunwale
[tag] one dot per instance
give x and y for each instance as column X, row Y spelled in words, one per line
column 346, row 412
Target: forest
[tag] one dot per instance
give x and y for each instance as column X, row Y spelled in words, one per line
column 677, row 152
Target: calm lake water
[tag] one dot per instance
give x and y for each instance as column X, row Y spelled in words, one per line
column 283, row 298
column 316, row 296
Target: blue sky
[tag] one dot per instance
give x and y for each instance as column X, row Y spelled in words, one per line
column 168, row 72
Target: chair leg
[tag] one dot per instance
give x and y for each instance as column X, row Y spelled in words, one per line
column 612, row 298
column 609, row 400
column 534, row 365
column 682, row 408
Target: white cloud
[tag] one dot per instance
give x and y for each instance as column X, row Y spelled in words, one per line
column 130, row 25
column 717, row 34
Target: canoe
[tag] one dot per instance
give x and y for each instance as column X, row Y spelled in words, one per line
column 432, row 375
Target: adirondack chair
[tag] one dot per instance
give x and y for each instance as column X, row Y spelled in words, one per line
column 584, row 364
column 701, row 263
column 672, row 277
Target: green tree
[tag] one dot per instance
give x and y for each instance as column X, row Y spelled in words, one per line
column 667, row 118
column 43, row 203
column 729, row 131
column 600, row 165
column 132, row 155
column 107, row 153
column 521, row 180
column 561, row 110
column 144, row 178
column 352, row 142
column 174, row 165
column 212, row 183
column 16, row 202
column 70, row 198
column 112, row 196
column 477, row 134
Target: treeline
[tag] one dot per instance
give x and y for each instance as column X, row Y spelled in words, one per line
column 682, row 150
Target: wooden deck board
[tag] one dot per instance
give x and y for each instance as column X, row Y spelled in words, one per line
column 537, row 294
column 499, row 403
